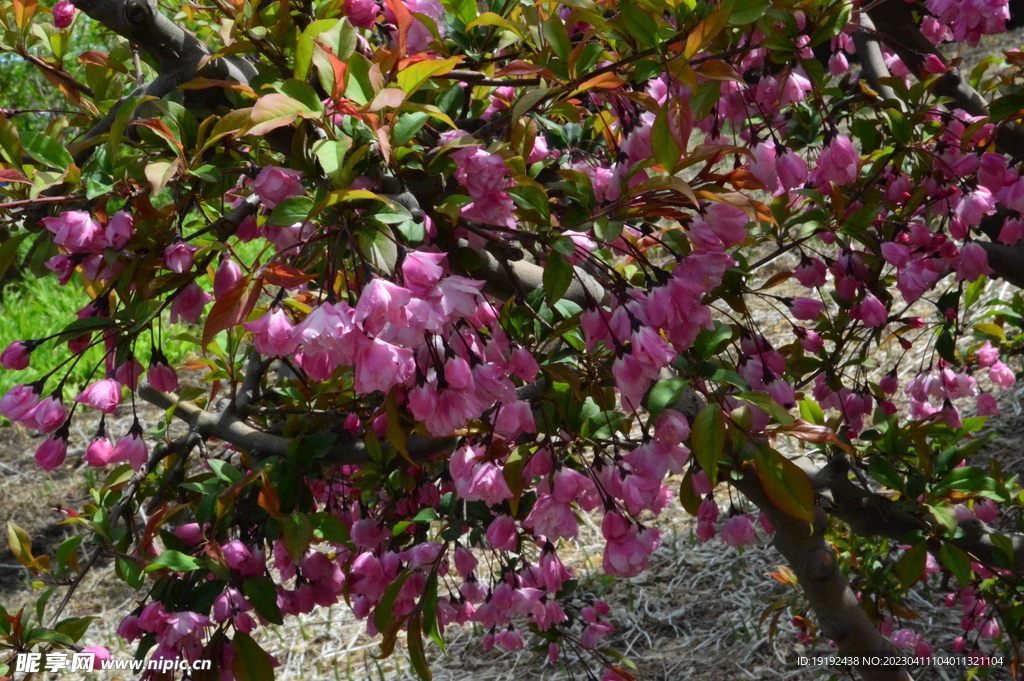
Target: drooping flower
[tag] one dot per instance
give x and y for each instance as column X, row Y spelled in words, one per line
column 362, row 13
column 53, row 451
column 16, row 355
column 120, row 230
column 104, row 395
column 738, row 531
column 273, row 334
column 273, row 185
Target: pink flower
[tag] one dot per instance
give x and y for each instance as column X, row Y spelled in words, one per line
column 552, row 518
column 190, row 533
column 707, row 511
column 273, row 185
column 161, row 376
column 973, row 262
column 99, row 653
column 62, row 266
column 705, row 531
column 811, row 272
column 178, row 257
column 419, row 36
column 701, row 483
column 362, row 13
column 805, row 308
column 987, row 405
column 131, row 448
column 104, row 395
column 422, row 271
column 129, row 372
column 63, row 15
column 16, row 356
column 986, row 354
column 970, row 209
column 19, row 402
column 502, row 534
column 381, row 366
column 228, row 274
column 48, row 415
column 1001, row 375
column 872, row 311
column 380, row 303
column 76, row 231
column 273, row 334
column 235, row 554
column 738, row 531
column 120, row 230
column 189, row 303
column 514, row 419
column 838, row 163
column 792, row 170
column 53, row 451
column 99, row 453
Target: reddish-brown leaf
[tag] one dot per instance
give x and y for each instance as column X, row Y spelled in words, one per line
column 403, row 19
column 232, row 308
column 13, row 175
column 519, row 67
column 285, row 276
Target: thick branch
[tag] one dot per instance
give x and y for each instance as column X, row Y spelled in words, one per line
column 817, row 568
column 872, row 63
column 895, row 22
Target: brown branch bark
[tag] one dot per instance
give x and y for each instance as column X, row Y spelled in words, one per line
column 824, row 585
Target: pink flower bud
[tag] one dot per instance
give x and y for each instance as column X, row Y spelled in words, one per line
column 120, row 230
column 178, row 257
column 19, row 402
column 188, row 305
column 53, row 451
column 273, row 185
column 701, row 483
column 48, row 415
column 63, row 15
column 99, row 453
column 502, row 534
column 228, row 274
column 131, row 448
column 104, row 395
column 16, row 356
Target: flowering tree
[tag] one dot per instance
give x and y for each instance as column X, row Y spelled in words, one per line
column 459, row 271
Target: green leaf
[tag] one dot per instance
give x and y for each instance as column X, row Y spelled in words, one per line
column 262, row 593
column 46, row 150
column 666, row 151
column 881, row 470
column 748, row 11
column 9, row 252
column 707, row 439
column 414, row 642
column 428, row 604
column 174, row 560
column 957, row 561
column 384, row 616
column 557, row 37
column 463, row 10
column 74, row 627
column 764, row 401
column 786, row 485
column 290, row 211
column 1004, row 107
column 225, row 471
column 327, row 527
column 530, row 198
column 408, row 125
column 910, row 566
column 251, row 662
column 557, row 277
column 639, row 23
column 665, row 392
column 811, row 412
column 298, row 533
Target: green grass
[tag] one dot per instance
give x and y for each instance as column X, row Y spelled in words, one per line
column 36, row 308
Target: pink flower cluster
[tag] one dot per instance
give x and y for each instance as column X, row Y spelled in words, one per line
column 970, row 19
